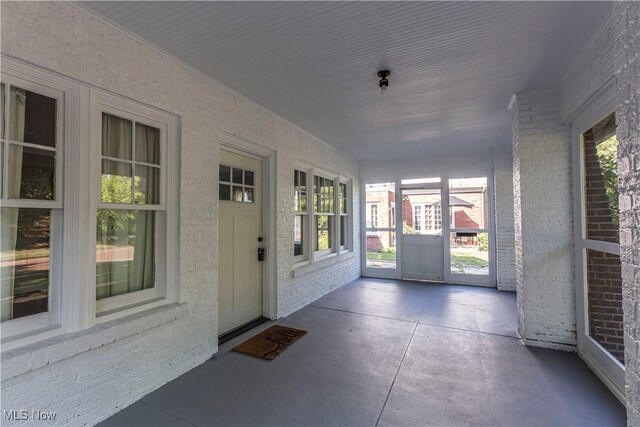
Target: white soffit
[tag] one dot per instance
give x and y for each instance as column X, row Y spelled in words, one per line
column 454, row 65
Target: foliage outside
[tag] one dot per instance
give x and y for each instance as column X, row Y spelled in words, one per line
column 607, row 152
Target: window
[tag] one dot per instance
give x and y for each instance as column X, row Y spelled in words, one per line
column 300, row 233
column 343, row 197
column 31, row 216
column 324, row 212
column 372, row 215
column 418, row 218
column 134, row 216
column 236, row 185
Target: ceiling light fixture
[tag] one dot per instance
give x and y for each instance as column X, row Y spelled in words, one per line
column 384, row 83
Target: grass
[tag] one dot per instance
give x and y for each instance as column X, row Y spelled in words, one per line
column 468, row 261
column 381, row 256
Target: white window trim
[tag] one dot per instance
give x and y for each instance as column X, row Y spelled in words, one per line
column 29, row 329
column 166, row 289
column 369, row 217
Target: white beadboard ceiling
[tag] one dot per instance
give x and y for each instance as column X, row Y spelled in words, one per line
column 454, row 65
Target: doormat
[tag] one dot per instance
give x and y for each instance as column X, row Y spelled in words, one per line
column 269, row 343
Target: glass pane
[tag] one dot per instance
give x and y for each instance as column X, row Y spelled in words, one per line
column 225, row 173
column 32, row 173
column 116, row 182
column 237, row 194
column 1, row 168
column 32, row 117
column 147, row 184
column 298, row 235
column 381, row 249
column 343, row 230
column 147, row 144
column 237, row 176
column 248, row 178
column 2, row 109
column 420, row 181
column 601, row 182
column 604, row 284
column 125, row 252
column 468, row 203
column 323, row 232
column 248, row 194
column 116, row 137
column 24, row 262
column 225, row 192
column 421, row 211
column 383, row 196
column 469, row 253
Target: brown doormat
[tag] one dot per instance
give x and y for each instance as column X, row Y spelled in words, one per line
column 269, row 343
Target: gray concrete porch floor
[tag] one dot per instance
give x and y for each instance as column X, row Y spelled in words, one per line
column 389, row 353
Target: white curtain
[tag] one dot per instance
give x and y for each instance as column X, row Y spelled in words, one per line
column 126, row 237
column 9, row 216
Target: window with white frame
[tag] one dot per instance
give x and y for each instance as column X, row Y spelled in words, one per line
column 345, row 224
column 300, row 232
column 31, row 120
column 131, row 217
column 427, row 217
column 324, row 213
column 372, row 215
column 120, row 215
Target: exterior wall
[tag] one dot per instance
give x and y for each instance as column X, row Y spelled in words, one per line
column 505, row 242
column 543, row 222
column 626, row 19
column 87, row 376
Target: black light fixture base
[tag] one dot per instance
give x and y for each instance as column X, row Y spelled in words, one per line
column 383, row 74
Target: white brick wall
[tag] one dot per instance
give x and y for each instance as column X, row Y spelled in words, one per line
column 505, row 237
column 626, row 20
column 591, row 72
column 543, row 222
column 97, row 382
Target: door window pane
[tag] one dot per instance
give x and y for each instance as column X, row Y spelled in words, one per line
column 32, row 173
column 604, row 285
column 421, row 211
column 381, row 249
column 24, row 262
column 125, row 252
column 469, row 253
column 2, row 109
column 32, row 117
column 601, row 182
column 225, row 173
column 469, row 203
column 225, row 192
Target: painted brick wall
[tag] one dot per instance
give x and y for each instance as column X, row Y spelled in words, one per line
column 626, row 20
column 91, row 380
column 505, row 237
column 543, row 222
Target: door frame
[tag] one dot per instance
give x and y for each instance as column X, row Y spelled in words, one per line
column 603, row 364
column 268, row 156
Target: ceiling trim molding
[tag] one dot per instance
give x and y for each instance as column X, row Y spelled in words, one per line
column 95, row 15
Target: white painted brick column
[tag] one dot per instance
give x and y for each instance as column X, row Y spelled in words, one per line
column 627, row 70
column 543, row 222
column 505, row 239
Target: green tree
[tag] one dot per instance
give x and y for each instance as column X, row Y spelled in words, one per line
column 607, row 152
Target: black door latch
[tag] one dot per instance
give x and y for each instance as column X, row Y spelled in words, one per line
column 260, row 254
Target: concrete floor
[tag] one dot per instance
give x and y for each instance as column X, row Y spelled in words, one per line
column 389, row 353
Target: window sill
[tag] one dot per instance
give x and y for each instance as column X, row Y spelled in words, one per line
column 307, row 267
column 37, row 355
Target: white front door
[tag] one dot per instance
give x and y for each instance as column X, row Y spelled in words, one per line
column 240, row 238
column 422, row 249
